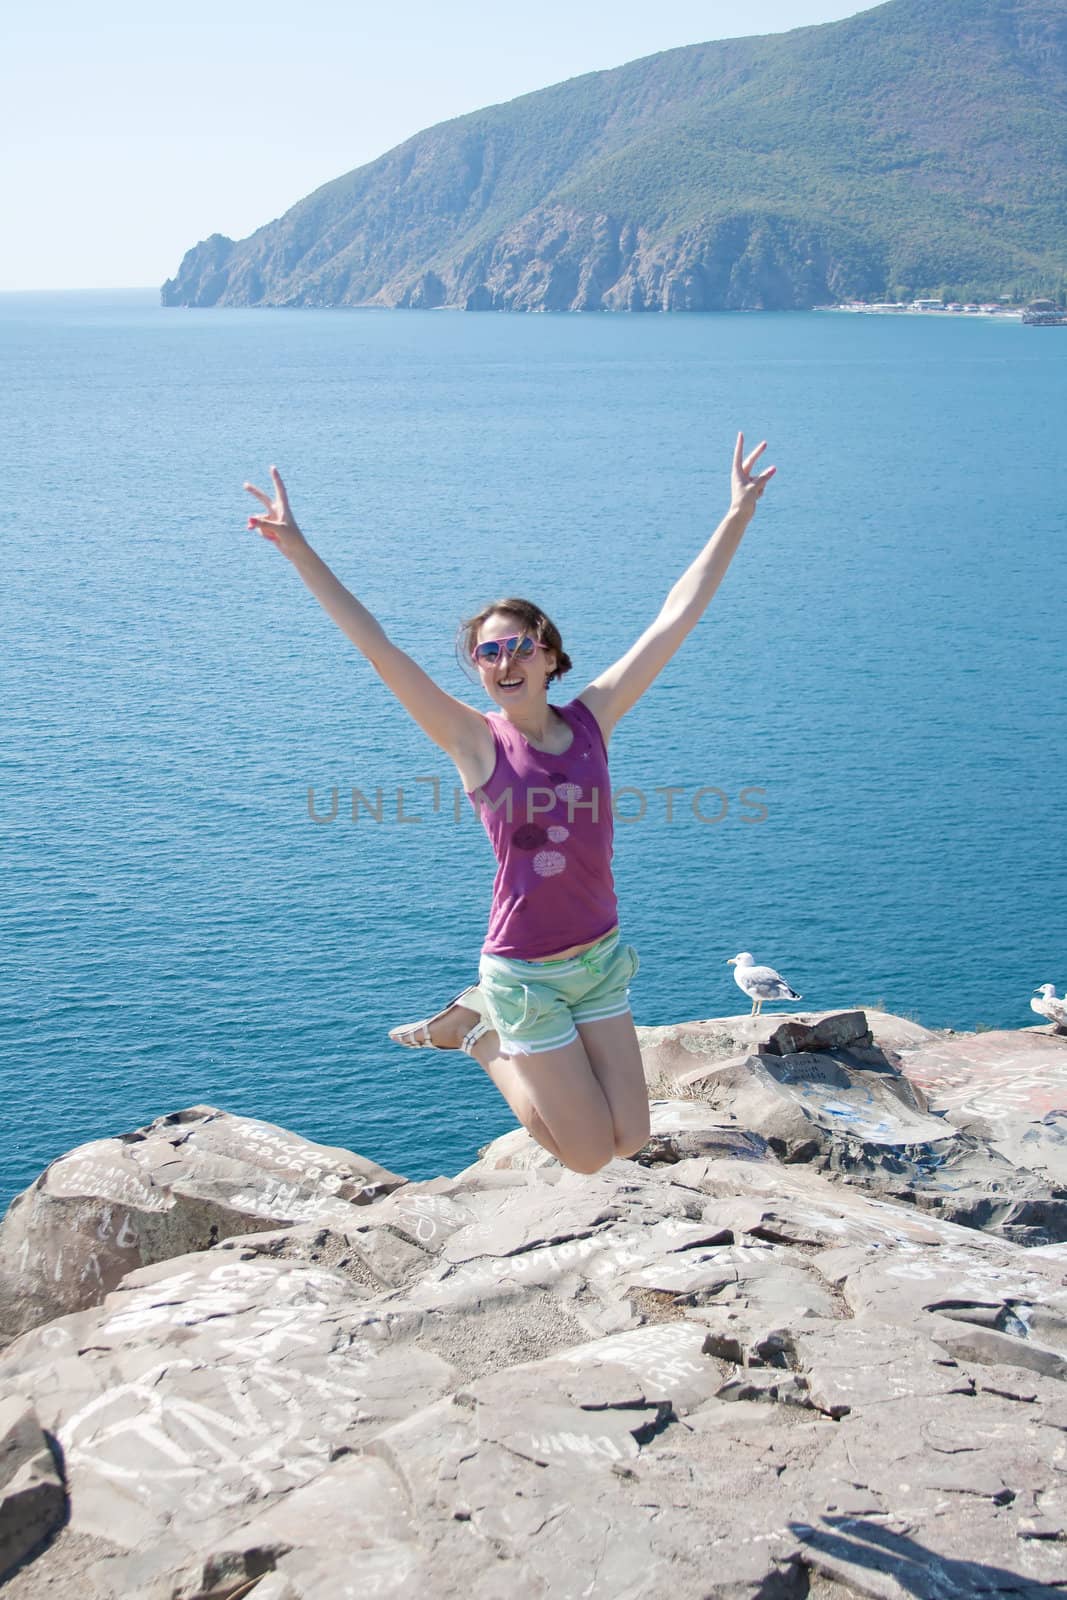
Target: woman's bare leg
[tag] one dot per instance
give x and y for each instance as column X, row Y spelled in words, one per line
column 487, row 1053
column 557, row 1099
column 615, row 1058
column 566, row 1099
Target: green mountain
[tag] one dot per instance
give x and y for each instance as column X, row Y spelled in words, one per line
column 920, row 147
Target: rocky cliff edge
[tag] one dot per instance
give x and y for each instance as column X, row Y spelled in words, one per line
column 812, row 1340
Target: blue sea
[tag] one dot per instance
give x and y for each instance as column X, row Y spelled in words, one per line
column 884, row 663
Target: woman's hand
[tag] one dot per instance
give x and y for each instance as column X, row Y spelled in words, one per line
column 745, row 489
column 279, row 526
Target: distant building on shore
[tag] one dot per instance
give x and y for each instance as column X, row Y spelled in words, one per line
column 1045, row 314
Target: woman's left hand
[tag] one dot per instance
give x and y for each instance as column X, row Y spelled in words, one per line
column 746, row 489
column 279, row 525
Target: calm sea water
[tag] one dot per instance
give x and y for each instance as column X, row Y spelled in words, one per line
column 884, row 661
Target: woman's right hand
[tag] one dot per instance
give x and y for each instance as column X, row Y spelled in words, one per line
column 746, row 489
column 279, row 526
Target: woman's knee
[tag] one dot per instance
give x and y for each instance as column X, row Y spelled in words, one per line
column 591, row 1149
column 585, row 1155
column 633, row 1135
column 579, row 1158
column 588, row 1154
column 586, row 1163
column 558, row 1093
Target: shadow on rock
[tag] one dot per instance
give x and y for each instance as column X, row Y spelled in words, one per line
column 846, row 1543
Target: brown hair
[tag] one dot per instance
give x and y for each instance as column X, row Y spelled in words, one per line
column 533, row 621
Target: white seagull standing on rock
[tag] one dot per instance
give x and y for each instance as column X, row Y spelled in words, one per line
column 759, row 983
column 1048, row 1006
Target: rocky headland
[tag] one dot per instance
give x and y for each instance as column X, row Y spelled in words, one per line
column 810, row 1341
column 914, row 149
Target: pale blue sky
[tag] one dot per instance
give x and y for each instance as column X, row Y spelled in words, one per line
column 125, row 140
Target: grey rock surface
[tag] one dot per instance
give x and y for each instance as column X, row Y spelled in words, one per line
column 672, row 1051
column 1008, row 1088
column 33, row 1501
column 181, row 1183
column 708, row 1372
column 648, row 1365
column 919, row 1122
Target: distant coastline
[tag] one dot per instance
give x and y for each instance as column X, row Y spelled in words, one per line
column 123, row 295
column 925, row 308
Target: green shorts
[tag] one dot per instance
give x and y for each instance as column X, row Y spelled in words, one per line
column 534, row 1005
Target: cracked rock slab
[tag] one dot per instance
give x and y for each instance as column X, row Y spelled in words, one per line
column 1011, row 1086
column 208, row 1384
column 181, row 1183
column 713, row 1378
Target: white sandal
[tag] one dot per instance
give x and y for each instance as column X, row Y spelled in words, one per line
column 416, row 1035
column 471, row 1039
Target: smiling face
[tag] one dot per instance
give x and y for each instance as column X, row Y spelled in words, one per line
column 520, row 680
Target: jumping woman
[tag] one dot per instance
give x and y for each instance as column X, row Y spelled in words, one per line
column 549, row 1019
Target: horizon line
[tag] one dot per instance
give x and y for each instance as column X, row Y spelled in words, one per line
column 108, row 288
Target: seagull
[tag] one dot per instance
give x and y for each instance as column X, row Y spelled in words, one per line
column 759, row 983
column 1049, row 1007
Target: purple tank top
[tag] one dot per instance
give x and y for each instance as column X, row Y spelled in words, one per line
column 549, row 820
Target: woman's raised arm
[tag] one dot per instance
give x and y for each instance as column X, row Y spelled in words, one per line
column 457, row 728
column 611, row 695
